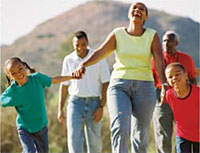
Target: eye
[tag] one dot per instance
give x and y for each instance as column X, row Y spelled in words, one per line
column 170, row 77
column 141, row 8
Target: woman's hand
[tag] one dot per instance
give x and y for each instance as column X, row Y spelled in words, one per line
column 163, row 94
column 78, row 73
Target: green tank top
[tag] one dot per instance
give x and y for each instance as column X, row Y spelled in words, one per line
column 133, row 55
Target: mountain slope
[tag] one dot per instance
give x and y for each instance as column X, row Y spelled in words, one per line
column 40, row 47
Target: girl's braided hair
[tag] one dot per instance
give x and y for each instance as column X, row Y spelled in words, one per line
column 12, row 60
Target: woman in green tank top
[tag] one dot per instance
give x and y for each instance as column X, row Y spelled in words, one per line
column 131, row 96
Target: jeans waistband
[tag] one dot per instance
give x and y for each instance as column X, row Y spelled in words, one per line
column 84, row 98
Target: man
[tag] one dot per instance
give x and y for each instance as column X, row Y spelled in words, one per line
column 87, row 98
column 163, row 116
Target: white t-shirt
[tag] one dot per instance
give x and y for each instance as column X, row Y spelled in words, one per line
column 91, row 83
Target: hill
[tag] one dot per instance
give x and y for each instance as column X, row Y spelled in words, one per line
column 41, row 46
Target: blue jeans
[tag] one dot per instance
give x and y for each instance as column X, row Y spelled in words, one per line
column 79, row 111
column 131, row 104
column 186, row 146
column 163, row 125
column 34, row 142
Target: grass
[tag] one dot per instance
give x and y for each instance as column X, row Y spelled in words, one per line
column 57, row 132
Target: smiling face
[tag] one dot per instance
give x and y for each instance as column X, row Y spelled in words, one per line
column 16, row 71
column 138, row 13
column 176, row 76
column 81, row 46
column 169, row 43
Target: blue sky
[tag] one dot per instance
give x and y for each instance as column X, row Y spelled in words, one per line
column 19, row 17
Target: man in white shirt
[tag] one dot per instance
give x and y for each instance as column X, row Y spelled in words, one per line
column 87, row 98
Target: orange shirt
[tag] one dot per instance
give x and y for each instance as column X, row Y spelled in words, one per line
column 180, row 57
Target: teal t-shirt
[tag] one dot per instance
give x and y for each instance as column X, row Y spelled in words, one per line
column 29, row 101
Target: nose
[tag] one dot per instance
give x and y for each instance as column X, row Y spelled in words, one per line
column 174, row 78
column 78, row 48
column 165, row 43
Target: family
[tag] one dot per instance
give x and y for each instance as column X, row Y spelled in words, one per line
column 147, row 82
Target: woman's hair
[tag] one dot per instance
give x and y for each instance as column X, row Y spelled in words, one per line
column 12, row 61
column 176, row 64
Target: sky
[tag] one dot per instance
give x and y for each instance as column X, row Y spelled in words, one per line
column 19, row 17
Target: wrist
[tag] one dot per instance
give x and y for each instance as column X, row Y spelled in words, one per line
column 83, row 64
column 101, row 106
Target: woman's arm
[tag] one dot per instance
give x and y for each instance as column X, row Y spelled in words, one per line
column 103, row 51
column 159, row 64
column 158, row 58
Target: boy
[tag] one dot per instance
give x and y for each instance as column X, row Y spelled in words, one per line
column 183, row 99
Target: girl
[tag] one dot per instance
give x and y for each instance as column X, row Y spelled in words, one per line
column 26, row 93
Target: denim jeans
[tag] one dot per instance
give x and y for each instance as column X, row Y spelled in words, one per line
column 80, row 112
column 186, row 146
column 131, row 104
column 163, row 125
column 34, row 142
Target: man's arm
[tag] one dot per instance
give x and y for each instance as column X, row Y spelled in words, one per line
column 63, row 92
column 98, row 114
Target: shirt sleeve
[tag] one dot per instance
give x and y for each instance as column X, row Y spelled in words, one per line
column 44, row 79
column 191, row 73
column 104, row 71
column 7, row 98
column 65, row 71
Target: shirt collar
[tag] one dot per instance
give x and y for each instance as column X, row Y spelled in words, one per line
column 78, row 58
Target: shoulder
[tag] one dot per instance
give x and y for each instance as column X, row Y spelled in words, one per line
column 9, row 92
column 195, row 88
column 149, row 30
column 118, row 29
column 34, row 75
column 184, row 55
column 37, row 75
column 10, row 89
column 169, row 94
column 70, row 56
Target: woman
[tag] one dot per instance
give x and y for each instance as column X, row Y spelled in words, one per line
column 131, row 94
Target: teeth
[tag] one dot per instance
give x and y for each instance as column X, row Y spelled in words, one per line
column 137, row 14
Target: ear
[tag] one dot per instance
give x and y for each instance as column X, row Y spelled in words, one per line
column 176, row 42
column 186, row 77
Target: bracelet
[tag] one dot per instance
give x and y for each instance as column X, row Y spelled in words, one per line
column 165, row 84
